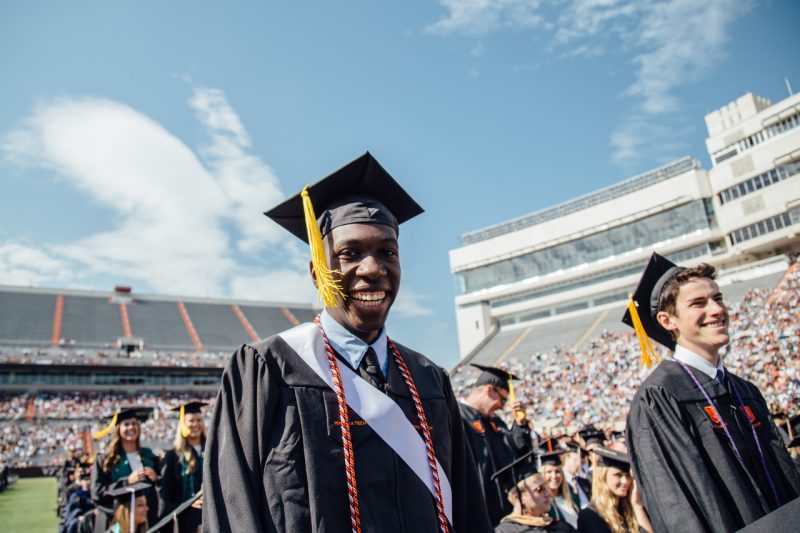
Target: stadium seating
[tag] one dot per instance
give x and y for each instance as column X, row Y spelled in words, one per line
column 27, row 318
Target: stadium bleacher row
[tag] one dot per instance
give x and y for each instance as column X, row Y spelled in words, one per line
column 34, row 318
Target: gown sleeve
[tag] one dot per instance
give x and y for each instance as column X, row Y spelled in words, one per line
column 469, row 506
column 521, row 438
column 102, row 485
column 235, row 454
column 168, row 486
column 668, row 467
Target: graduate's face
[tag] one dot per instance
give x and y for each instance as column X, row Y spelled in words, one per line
column 195, row 424
column 700, row 321
column 618, row 481
column 367, row 255
column 129, row 430
column 536, row 499
column 140, row 517
column 554, row 477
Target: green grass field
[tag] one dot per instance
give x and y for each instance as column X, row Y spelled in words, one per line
column 29, row 506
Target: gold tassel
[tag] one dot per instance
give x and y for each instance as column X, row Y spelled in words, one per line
column 102, row 433
column 184, row 430
column 327, row 286
column 511, row 399
column 649, row 355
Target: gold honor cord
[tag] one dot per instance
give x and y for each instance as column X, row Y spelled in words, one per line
column 511, row 399
column 649, row 355
column 184, row 430
column 102, row 433
column 327, row 286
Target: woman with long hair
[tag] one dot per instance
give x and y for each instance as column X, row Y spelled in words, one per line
column 125, row 462
column 182, row 467
column 565, row 506
column 615, row 506
column 130, row 515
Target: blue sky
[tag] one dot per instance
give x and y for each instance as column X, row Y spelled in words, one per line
column 140, row 140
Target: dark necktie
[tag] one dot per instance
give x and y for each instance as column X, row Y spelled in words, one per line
column 720, row 377
column 371, row 370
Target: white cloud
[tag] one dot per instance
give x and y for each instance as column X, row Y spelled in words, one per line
column 172, row 219
column 670, row 43
column 477, row 17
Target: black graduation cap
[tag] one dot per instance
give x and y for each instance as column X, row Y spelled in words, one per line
column 511, row 474
column 550, row 457
column 190, row 407
column 793, row 431
column 493, row 376
column 647, row 297
column 140, row 413
column 359, row 192
column 591, row 435
column 126, row 495
column 613, row 458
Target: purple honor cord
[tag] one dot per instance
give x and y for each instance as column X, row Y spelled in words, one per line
column 731, row 442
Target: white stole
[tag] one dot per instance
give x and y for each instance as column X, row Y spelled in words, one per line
column 378, row 410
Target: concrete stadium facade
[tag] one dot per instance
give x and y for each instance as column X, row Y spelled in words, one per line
column 585, row 254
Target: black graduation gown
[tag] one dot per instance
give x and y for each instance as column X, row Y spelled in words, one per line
column 105, row 481
column 689, row 477
column 274, row 460
column 493, row 447
column 174, row 488
column 590, row 521
column 557, row 526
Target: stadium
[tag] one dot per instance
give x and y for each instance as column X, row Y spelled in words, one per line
column 553, row 284
column 540, row 295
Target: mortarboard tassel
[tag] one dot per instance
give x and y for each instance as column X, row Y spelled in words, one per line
column 184, row 431
column 327, row 286
column 511, row 399
column 649, row 355
column 102, row 433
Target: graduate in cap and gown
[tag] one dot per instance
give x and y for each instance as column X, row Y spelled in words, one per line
column 182, row 467
column 566, row 504
column 616, row 505
column 703, row 447
column 332, row 425
column 493, row 444
column 125, row 462
column 531, row 500
column 131, row 508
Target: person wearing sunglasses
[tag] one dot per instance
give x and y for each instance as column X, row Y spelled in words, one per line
column 493, row 444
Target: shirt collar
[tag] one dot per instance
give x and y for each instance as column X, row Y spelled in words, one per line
column 685, row 355
column 351, row 347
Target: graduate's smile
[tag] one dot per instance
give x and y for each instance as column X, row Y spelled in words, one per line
column 367, row 257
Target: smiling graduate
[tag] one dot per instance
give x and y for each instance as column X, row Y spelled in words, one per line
column 703, row 447
column 333, row 426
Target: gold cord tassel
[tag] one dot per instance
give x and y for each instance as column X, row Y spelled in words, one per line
column 102, row 433
column 649, row 355
column 184, row 431
column 327, row 286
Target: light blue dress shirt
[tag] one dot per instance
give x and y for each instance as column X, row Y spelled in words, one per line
column 351, row 347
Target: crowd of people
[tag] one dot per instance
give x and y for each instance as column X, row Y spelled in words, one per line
column 595, row 383
column 589, row 385
column 78, row 356
column 42, row 429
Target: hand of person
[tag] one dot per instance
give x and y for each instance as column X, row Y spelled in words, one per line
column 636, row 496
column 150, row 474
column 135, row 477
column 516, row 408
column 198, row 503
